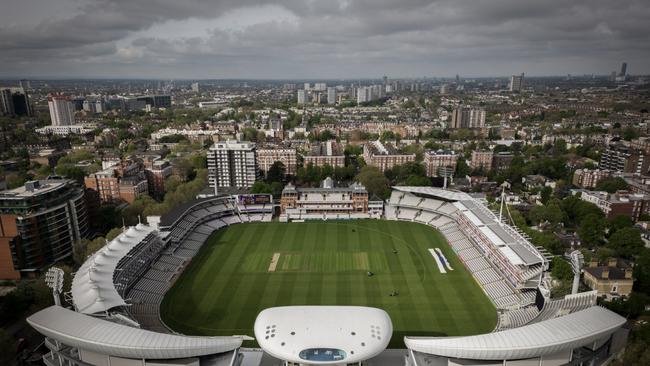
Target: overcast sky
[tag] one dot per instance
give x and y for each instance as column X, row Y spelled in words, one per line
column 321, row 38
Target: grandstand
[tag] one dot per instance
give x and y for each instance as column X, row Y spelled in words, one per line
column 506, row 265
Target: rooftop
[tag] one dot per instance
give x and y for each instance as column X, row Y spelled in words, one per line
column 34, row 188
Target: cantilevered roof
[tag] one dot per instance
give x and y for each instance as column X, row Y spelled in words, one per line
column 94, row 334
column 323, row 334
column 444, row 194
column 534, row 340
column 93, row 290
column 177, row 212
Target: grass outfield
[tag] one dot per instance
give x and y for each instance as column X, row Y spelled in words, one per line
column 325, row 263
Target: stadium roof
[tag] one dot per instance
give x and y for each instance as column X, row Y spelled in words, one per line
column 512, row 245
column 98, row 335
column 177, row 212
column 444, row 194
column 323, row 334
column 93, row 290
column 539, row 339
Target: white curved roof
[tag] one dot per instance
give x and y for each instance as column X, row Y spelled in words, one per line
column 534, row 340
column 93, row 290
column 360, row 332
column 445, row 194
column 108, row 338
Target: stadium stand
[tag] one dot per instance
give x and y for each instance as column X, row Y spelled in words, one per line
column 501, row 260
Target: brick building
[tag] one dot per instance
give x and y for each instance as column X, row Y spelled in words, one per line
column 384, row 156
column 440, row 163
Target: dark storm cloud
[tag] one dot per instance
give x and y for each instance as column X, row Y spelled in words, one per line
column 346, row 38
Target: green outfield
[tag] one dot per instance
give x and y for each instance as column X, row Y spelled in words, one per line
column 246, row 268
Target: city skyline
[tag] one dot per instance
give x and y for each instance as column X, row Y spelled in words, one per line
column 332, row 40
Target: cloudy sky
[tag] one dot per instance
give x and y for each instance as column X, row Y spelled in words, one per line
column 321, row 38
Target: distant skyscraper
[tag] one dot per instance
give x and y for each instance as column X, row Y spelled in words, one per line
column 331, row 95
column 517, row 82
column 14, row 102
column 303, row 96
column 623, row 69
column 320, row 86
column 6, row 103
column 307, row 86
column 61, row 110
column 196, row 88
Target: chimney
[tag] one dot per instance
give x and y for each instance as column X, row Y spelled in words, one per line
column 611, row 262
column 628, row 273
column 605, row 274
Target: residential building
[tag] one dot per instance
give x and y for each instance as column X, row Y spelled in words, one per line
column 61, row 110
column 6, row 103
column 303, row 96
column 589, row 178
column 156, row 172
column 384, row 156
column 232, row 164
column 622, row 158
column 325, row 153
column 267, row 156
column 331, row 95
column 612, row 279
column 14, row 102
column 502, row 160
column 517, row 82
column 628, row 204
column 118, row 182
column 39, row 223
column 467, row 118
column 482, row 159
column 440, row 163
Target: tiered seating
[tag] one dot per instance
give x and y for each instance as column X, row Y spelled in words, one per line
column 425, row 217
column 516, row 318
column 507, row 301
column 477, row 264
column 431, row 204
column 568, row 304
column 487, row 276
column 229, row 220
column 468, row 254
column 406, row 213
column 461, row 244
column 410, row 200
column 447, row 208
column 389, row 212
column 440, row 222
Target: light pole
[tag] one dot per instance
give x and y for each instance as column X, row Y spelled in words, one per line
column 54, row 280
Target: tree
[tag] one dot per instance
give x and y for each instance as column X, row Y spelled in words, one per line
column 113, row 233
column 261, row 187
column 626, row 242
column 462, row 169
column 619, row 222
column 417, row 180
column 375, row 182
column 561, row 269
column 642, row 272
column 611, row 185
column 276, row 172
column 7, row 348
column 592, row 230
column 545, row 194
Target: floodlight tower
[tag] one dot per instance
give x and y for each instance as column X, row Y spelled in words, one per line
column 54, row 280
column 577, row 261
